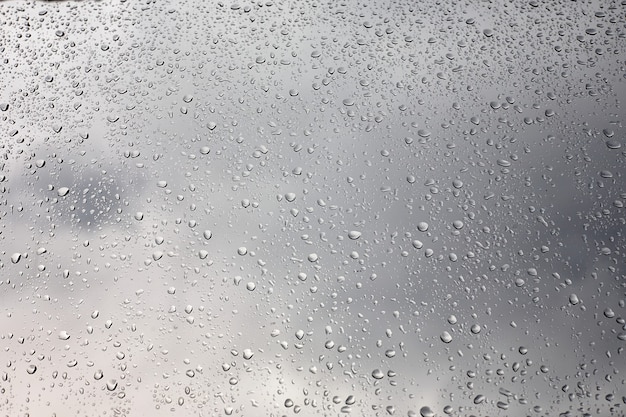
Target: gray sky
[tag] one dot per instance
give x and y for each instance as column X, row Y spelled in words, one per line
column 180, row 183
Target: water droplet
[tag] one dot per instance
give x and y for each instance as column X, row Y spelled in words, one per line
column 504, row 163
column 62, row 192
column 377, row 374
column 427, row 412
column 16, row 257
column 446, row 337
column 247, row 354
column 417, row 244
column 354, row 235
column 613, row 144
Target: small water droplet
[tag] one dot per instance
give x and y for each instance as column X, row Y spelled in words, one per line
column 247, row 354
column 427, row 412
column 16, row 257
column 377, row 374
column 479, row 399
column 354, row 234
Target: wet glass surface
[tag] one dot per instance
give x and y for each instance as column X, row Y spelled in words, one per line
column 268, row 208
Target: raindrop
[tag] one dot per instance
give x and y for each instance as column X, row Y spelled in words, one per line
column 16, row 257
column 377, row 374
column 427, row 412
column 479, row 399
column 417, row 244
column 354, row 235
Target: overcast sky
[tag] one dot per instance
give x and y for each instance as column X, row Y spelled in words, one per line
column 378, row 208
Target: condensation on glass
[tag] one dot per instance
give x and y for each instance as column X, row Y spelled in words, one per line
column 272, row 208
